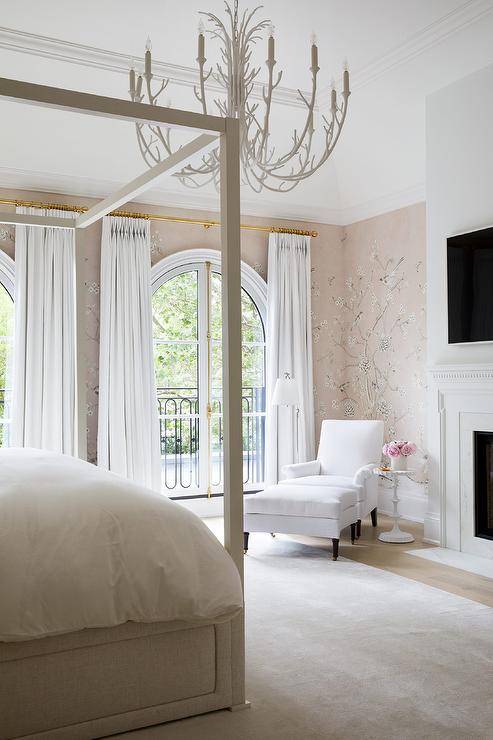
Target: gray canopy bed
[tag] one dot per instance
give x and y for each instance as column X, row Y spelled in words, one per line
column 105, row 679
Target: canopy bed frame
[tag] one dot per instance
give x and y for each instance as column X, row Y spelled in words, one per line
column 101, row 681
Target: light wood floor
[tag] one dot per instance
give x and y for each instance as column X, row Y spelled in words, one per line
column 368, row 549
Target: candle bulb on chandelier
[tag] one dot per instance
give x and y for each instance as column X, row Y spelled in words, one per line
column 148, row 58
column 138, row 91
column 333, row 96
column 132, row 80
column 346, row 78
column 271, row 45
column 201, row 43
column 313, row 41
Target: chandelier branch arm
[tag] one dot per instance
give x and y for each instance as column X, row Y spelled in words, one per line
column 267, row 97
column 332, row 136
column 164, row 137
column 164, row 85
column 298, row 141
column 203, row 77
column 145, row 148
column 262, row 164
column 153, row 97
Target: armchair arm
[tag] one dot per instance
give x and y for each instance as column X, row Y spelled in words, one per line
column 363, row 473
column 299, row 470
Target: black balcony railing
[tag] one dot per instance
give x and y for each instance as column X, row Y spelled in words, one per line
column 180, row 437
column 179, row 422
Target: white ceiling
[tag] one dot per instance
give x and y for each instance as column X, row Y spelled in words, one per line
column 399, row 51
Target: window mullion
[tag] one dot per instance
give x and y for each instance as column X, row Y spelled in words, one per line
column 203, row 380
column 208, row 274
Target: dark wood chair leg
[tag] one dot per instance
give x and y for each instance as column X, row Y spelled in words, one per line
column 335, row 548
column 358, row 528
column 246, row 535
column 373, row 513
column 353, row 532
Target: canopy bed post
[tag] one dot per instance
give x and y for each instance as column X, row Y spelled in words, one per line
column 232, row 380
column 231, row 321
column 80, row 333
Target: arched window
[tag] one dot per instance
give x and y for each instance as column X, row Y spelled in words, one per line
column 6, row 342
column 187, row 355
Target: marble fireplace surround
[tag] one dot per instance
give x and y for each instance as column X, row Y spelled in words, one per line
column 460, row 403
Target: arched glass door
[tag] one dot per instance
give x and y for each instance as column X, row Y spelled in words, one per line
column 187, row 356
column 6, row 331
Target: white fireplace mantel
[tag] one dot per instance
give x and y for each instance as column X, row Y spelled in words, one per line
column 460, row 401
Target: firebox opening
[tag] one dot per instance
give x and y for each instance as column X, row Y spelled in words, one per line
column 483, row 484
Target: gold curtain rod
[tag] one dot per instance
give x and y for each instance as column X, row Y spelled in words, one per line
column 154, row 217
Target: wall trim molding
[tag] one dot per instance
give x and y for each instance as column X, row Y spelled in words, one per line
column 460, row 374
column 382, row 204
column 89, row 56
column 93, row 57
column 432, row 533
column 86, row 187
column 420, row 42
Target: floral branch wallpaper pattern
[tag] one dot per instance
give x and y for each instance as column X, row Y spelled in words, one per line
column 7, row 239
column 369, row 321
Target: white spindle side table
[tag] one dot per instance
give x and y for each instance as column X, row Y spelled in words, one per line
column 396, row 534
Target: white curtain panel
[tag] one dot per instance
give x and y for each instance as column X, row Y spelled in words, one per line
column 128, row 423
column 44, row 412
column 289, row 349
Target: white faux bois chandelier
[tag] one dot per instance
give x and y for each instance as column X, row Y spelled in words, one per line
column 261, row 164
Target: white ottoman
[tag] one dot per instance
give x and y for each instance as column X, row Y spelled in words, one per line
column 317, row 511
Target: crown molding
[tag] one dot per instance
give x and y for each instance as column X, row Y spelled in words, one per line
column 102, row 59
column 433, row 34
column 200, row 200
column 195, row 200
column 382, row 204
column 111, row 61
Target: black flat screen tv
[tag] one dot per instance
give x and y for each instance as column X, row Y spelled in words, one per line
column 470, row 287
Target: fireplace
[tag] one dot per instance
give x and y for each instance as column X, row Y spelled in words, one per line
column 483, row 484
column 460, row 444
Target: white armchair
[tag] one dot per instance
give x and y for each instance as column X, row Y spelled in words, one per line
column 347, row 453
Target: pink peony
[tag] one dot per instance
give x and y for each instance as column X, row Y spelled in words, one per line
column 408, row 449
column 392, row 449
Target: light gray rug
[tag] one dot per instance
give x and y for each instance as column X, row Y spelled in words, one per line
column 342, row 650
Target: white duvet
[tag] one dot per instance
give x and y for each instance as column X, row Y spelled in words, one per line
column 80, row 547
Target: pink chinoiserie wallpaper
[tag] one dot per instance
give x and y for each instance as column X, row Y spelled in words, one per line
column 369, row 319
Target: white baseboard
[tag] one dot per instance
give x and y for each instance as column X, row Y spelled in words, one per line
column 432, row 528
column 407, row 517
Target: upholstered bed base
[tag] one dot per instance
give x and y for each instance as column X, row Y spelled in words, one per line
column 98, row 682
